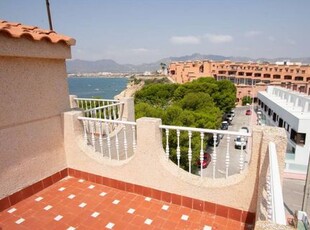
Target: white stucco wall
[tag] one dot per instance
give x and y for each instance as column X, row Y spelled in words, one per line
column 34, row 93
column 295, row 113
column 149, row 167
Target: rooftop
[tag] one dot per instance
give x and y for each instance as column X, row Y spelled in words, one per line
column 74, row 203
column 18, row 30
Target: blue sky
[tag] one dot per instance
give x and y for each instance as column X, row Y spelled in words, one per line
column 142, row 31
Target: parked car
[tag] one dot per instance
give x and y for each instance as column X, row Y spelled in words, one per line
column 217, row 141
column 229, row 117
column 248, row 112
column 224, row 125
column 245, row 128
column 241, row 141
column 232, row 112
column 206, row 160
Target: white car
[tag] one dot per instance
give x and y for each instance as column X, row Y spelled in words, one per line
column 241, row 141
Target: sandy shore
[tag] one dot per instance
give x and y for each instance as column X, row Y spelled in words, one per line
column 129, row 91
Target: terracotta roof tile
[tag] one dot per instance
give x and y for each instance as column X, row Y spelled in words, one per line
column 17, row 30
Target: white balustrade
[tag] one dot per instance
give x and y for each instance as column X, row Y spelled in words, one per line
column 98, row 108
column 189, row 151
column 167, row 144
column 201, row 153
column 118, row 143
column 275, row 205
column 225, row 160
column 88, row 103
column 113, row 111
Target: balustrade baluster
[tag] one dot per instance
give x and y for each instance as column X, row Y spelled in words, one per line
column 110, row 113
column 241, row 161
column 108, row 139
column 269, row 202
column 100, row 112
column 201, row 153
column 104, row 113
column 125, row 141
column 117, row 145
column 134, row 138
column 167, row 144
column 190, row 151
column 93, row 133
column 178, row 148
column 85, row 131
column 100, row 137
column 114, row 113
column 227, row 158
column 214, row 156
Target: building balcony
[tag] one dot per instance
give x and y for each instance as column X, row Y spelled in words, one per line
column 118, row 174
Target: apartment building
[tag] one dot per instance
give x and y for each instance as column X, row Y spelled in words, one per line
column 288, row 109
column 249, row 77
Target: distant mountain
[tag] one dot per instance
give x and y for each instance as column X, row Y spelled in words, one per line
column 108, row 65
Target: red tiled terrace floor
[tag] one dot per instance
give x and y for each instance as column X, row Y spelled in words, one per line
column 78, row 204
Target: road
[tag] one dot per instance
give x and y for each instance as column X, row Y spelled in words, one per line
column 293, row 191
column 292, row 188
column 227, row 145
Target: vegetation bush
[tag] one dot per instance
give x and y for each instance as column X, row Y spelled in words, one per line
column 246, row 100
column 200, row 103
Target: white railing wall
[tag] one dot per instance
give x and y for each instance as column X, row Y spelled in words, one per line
column 89, row 103
column 275, row 205
column 203, row 133
column 112, row 112
column 112, row 138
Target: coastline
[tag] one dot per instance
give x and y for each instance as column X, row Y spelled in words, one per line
column 129, row 91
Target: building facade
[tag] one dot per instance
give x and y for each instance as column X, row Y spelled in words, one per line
column 249, row 77
column 290, row 110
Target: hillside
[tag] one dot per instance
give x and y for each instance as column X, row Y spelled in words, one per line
column 108, row 65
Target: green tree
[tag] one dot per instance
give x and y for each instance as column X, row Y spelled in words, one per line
column 199, row 104
column 246, row 100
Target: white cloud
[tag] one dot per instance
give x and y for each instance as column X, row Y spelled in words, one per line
column 219, row 38
column 271, row 38
column 180, row 40
column 252, row 33
column 140, row 50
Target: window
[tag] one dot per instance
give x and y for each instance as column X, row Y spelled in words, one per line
column 257, row 75
column 172, row 72
column 201, row 69
column 274, row 117
column 287, row 77
column 276, row 76
column 298, row 138
column 298, row 78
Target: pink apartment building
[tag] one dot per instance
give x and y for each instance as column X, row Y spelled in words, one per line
column 248, row 77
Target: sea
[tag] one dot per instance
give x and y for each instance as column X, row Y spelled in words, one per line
column 106, row 88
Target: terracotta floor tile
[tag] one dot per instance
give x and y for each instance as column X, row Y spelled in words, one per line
column 161, row 215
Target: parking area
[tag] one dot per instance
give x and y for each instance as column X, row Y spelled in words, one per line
column 227, row 145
